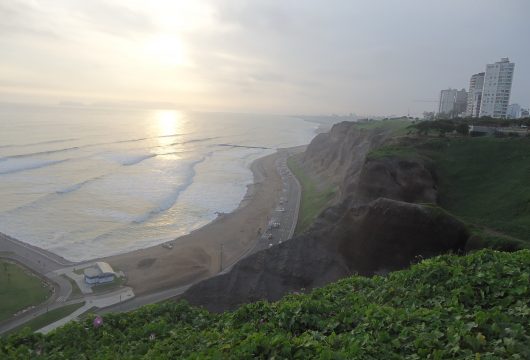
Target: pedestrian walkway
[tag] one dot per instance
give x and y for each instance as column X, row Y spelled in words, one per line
column 101, row 301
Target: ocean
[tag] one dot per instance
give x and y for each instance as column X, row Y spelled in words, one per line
column 86, row 182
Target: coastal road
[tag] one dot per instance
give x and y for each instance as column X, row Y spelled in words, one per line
column 38, row 260
column 284, row 218
column 42, row 263
column 38, row 311
column 139, row 301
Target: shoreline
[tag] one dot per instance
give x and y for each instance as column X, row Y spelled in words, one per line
column 206, row 251
column 202, row 253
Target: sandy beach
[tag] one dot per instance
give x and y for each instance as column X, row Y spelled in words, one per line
column 198, row 255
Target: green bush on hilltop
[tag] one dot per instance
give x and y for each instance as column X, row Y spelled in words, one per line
column 472, row 307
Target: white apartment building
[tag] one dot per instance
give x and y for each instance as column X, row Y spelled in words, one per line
column 474, row 96
column 497, row 88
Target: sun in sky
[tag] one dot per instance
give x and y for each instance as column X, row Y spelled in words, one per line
column 167, row 50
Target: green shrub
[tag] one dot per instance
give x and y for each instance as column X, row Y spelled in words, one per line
column 448, row 307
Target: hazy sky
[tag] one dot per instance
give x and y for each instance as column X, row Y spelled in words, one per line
column 368, row 57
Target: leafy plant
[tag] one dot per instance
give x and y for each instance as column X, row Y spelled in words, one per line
column 448, row 307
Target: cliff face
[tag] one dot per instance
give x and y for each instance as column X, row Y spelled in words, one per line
column 394, row 178
column 376, row 226
column 338, row 156
column 381, row 236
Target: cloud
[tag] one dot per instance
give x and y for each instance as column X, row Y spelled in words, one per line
column 111, row 18
column 263, row 55
column 20, row 18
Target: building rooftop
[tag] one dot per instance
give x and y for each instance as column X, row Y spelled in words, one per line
column 92, row 272
column 105, row 268
column 101, row 269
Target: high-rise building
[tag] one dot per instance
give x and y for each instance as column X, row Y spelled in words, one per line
column 460, row 102
column 447, row 101
column 497, row 88
column 474, row 95
column 452, row 102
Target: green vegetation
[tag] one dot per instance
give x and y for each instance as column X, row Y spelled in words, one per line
column 397, row 125
column 47, row 318
column 393, row 151
column 80, row 271
column 485, row 181
column 461, row 125
column 441, row 126
column 449, row 307
column 19, row 289
column 314, row 198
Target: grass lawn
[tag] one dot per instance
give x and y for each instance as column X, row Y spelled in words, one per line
column 313, row 201
column 51, row 316
column 19, row 288
column 398, row 126
column 486, row 181
column 403, row 152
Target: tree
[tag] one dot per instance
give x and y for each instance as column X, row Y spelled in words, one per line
column 462, row 129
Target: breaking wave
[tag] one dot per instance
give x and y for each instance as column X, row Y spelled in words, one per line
column 172, row 198
column 47, row 152
column 11, row 167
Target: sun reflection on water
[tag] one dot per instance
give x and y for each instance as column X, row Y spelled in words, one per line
column 168, row 125
column 169, row 122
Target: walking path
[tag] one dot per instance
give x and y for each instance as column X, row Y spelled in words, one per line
column 101, row 301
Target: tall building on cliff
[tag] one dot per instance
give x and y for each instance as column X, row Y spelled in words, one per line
column 497, row 88
column 474, row 96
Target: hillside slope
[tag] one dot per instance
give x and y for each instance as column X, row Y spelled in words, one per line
column 448, row 307
column 367, row 232
column 338, row 156
column 484, row 181
column 381, row 236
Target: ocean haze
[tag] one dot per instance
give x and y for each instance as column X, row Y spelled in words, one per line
column 86, row 183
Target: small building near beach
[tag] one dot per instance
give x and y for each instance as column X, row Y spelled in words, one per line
column 99, row 274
